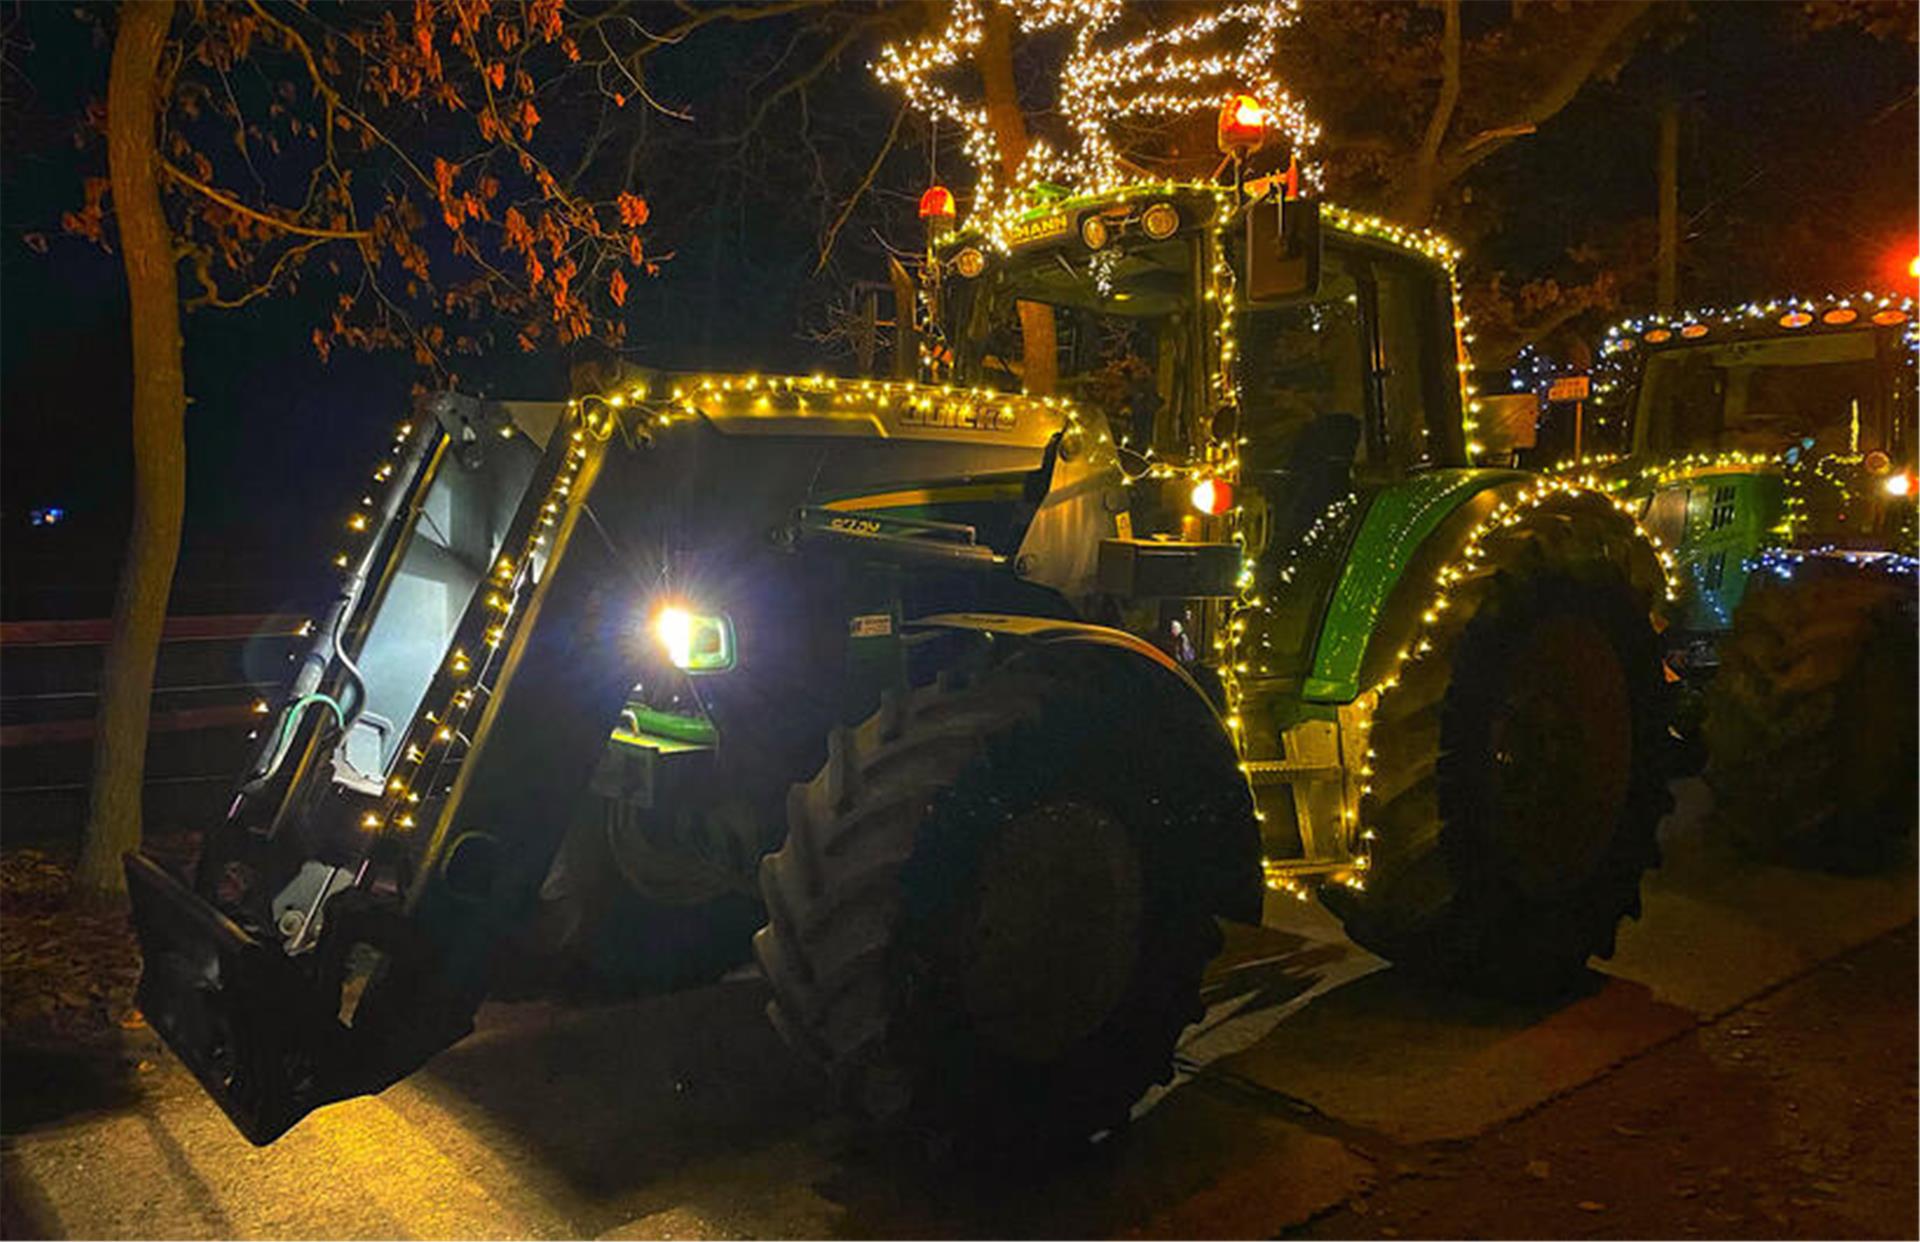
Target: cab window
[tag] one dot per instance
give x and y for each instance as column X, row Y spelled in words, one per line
column 1302, row 363
column 1363, row 359
column 1413, row 370
column 1124, row 333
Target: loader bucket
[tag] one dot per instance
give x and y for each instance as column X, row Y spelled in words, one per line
column 257, row 1035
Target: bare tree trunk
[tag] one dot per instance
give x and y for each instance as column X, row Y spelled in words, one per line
column 1667, row 291
column 1423, row 183
column 159, row 451
column 1038, row 356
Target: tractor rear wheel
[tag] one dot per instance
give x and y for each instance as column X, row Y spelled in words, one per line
column 992, row 909
column 1810, row 720
column 595, row 932
column 1519, row 776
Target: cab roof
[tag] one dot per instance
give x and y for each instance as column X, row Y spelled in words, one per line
column 1781, row 317
column 1059, row 201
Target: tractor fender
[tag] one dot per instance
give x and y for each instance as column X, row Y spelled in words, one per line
column 1171, row 705
column 1378, row 608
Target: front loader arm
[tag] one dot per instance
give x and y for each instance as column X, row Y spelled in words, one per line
column 450, row 856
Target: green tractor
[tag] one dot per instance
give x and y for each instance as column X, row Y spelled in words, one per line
column 967, row 713
column 1773, row 451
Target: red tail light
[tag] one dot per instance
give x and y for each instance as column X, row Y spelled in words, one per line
column 1212, row 497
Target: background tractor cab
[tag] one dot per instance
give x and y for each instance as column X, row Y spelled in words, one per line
column 1789, row 426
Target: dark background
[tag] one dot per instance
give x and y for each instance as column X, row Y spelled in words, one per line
column 1797, row 177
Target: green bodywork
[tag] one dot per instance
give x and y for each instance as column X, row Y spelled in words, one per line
column 1715, row 520
column 1396, row 528
column 664, row 731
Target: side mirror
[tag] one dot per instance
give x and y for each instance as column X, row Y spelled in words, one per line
column 1282, row 250
column 1225, row 424
column 1133, row 465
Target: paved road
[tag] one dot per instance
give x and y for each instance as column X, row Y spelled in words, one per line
column 1790, row 1117
column 1315, row 1076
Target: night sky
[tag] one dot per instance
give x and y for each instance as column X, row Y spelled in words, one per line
column 1798, row 176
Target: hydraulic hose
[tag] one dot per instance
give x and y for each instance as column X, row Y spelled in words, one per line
column 328, row 648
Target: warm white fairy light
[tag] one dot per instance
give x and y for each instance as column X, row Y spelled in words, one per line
column 1505, row 515
column 1163, row 73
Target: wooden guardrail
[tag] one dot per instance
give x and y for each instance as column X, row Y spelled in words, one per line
column 20, row 637
column 95, row 631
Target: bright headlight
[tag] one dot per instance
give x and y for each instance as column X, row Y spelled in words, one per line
column 695, row 642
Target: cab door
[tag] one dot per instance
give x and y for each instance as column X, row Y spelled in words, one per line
column 1343, row 390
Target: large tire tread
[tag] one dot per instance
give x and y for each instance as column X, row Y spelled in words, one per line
column 1810, row 719
column 858, row 899
column 1431, row 902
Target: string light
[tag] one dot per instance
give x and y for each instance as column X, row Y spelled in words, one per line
column 1506, row 515
column 1161, row 74
column 1784, row 562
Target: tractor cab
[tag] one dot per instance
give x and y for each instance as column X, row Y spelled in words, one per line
column 1788, row 426
column 1171, row 307
column 1827, row 392
column 1259, row 361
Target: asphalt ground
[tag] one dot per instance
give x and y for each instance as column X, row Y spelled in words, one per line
column 1743, row 1067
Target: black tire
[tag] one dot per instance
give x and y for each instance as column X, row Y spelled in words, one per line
column 992, row 910
column 593, row 934
column 1519, row 776
column 1810, row 720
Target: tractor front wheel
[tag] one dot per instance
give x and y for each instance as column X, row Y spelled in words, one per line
column 992, row 909
column 595, row 932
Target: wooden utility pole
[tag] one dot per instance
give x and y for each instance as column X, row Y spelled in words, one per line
column 1667, row 293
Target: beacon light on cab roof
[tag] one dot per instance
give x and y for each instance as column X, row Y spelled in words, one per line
column 937, row 203
column 1243, row 124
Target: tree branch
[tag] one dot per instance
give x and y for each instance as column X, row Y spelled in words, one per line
column 1449, row 99
column 866, row 182
column 210, row 296
column 1423, row 182
column 1574, row 74
column 798, row 82
column 235, row 205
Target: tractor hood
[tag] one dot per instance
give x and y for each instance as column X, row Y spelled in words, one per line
column 825, row 406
